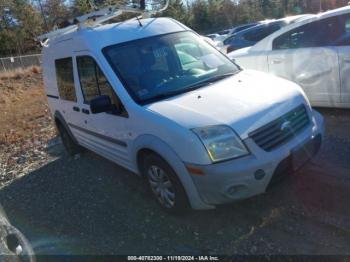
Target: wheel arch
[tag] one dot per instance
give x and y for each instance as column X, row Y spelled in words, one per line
column 59, row 120
column 152, row 144
column 140, row 156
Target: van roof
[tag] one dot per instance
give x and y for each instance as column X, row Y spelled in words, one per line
column 109, row 34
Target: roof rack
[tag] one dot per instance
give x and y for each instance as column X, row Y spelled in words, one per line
column 98, row 17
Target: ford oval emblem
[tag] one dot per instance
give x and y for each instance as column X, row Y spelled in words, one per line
column 285, row 126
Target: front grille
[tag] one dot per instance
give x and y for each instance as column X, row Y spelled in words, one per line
column 281, row 130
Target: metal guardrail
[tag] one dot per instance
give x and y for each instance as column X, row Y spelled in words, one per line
column 19, row 62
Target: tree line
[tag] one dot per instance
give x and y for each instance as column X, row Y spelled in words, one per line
column 22, row 20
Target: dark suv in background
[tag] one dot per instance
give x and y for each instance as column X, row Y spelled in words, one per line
column 252, row 35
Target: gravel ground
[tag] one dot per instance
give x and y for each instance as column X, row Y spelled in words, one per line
column 88, row 205
column 26, row 126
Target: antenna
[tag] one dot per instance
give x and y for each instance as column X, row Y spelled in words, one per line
column 98, row 17
column 138, row 20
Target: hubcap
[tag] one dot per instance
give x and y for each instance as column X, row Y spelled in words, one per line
column 161, row 186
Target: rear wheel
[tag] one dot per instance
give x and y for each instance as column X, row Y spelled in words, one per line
column 71, row 147
column 164, row 184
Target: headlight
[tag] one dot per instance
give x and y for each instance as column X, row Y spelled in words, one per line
column 221, row 142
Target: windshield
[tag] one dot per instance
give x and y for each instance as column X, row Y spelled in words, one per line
column 154, row 68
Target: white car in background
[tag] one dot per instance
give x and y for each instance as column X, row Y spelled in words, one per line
column 216, row 40
column 253, row 35
column 209, row 40
column 315, row 53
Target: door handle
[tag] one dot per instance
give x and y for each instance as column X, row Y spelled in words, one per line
column 85, row 111
column 277, row 61
column 346, row 59
column 75, row 108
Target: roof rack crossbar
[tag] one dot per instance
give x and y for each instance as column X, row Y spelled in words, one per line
column 98, row 17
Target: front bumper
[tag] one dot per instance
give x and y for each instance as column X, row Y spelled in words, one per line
column 248, row 176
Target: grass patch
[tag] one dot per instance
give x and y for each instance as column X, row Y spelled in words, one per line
column 20, row 73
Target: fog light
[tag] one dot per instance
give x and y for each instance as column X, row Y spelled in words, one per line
column 234, row 190
column 231, row 190
column 259, row 174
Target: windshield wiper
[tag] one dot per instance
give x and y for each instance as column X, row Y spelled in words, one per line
column 219, row 77
column 173, row 93
column 207, row 81
column 188, row 88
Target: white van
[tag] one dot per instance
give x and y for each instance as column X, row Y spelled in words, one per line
column 152, row 96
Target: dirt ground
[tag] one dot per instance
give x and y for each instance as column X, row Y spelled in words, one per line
column 25, row 123
column 88, row 205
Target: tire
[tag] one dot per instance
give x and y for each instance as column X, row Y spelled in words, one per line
column 164, row 185
column 71, row 147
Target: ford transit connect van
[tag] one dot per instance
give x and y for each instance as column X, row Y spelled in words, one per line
column 152, row 96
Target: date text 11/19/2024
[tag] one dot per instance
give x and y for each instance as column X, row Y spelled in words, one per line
column 173, row 258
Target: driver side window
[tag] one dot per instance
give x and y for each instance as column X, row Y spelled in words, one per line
column 94, row 83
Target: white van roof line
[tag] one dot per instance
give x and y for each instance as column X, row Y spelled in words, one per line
column 96, row 18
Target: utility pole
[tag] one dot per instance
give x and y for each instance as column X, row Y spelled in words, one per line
column 320, row 6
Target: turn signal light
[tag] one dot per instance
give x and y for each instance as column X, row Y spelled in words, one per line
column 195, row 171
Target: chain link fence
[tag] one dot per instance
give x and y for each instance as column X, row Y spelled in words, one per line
column 19, row 62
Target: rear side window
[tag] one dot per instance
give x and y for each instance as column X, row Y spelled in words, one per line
column 229, row 39
column 315, row 34
column 344, row 39
column 347, row 25
column 260, row 33
column 65, row 79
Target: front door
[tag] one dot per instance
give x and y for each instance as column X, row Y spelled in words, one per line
column 306, row 56
column 315, row 69
column 343, row 46
column 104, row 133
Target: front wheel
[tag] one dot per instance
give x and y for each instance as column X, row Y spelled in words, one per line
column 165, row 185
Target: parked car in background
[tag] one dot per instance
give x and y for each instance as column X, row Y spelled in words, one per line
column 228, row 32
column 252, row 35
column 216, row 44
column 315, row 53
column 237, row 29
column 213, row 36
column 218, row 38
column 208, row 40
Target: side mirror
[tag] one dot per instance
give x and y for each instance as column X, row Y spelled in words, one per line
column 101, row 104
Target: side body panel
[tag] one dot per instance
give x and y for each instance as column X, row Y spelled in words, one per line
column 315, row 69
column 256, row 61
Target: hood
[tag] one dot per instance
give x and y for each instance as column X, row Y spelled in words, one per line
column 245, row 101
